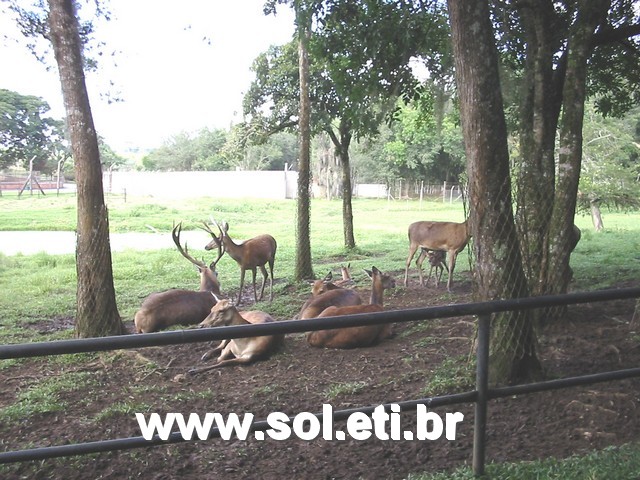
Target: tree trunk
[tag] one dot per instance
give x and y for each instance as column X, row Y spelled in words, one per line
column 342, row 148
column 591, row 13
column 596, row 217
column 304, row 269
column 539, row 108
column 97, row 312
column 498, row 266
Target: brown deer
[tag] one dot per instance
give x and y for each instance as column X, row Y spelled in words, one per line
column 327, row 283
column 161, row 310
column 437, row 261
column 329, row 295
column 249, row 255
column 238, row 351
column 448, row 236
column 353, row 337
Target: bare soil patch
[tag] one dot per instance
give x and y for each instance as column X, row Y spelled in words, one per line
column 594, row 338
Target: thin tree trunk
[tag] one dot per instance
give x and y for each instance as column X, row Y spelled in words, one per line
column 304, row 269
column 498, row 266
column 97, row 312
column 342, row 148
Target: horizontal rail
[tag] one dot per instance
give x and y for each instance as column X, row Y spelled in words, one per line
column 176, row 337
column 129, row 443
column 293, row 326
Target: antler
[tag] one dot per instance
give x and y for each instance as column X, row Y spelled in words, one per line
column 175, row 234
column 216, row 240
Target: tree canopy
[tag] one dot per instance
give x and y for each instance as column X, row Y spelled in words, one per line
column 27, row 132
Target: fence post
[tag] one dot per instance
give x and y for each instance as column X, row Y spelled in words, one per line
column 482, row 386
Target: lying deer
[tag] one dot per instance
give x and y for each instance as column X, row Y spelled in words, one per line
column 437, row 260
column 161, row 310
column 327, row 283
column 353, row 337
column 238, row 351
column 249, row 255
column 448, row 236
column 325, row 295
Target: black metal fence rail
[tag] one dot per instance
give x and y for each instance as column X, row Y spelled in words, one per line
column 480, row 396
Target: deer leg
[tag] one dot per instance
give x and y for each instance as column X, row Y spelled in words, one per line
column 412, row 252
column 255, row 291
column 271, row 281
column 214, row 351
column 429, row 277
column 419, row 261
column 264, row 280
column 452, row 264
column 242, row 270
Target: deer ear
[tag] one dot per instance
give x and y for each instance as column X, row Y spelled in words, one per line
column 368, row 272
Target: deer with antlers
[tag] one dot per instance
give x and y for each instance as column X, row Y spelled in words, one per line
column 249, row 255
column 238, row 351
column 451, row 237
column 161, row 310
column 353, row 337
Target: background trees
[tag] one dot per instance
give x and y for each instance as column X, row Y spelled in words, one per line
column 27, row 132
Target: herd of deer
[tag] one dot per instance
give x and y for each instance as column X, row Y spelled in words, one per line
column 328, row 298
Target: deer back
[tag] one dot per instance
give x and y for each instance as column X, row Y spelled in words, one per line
column 439, row 235
column 161, row 310
column 349, row 337
column 339, row 297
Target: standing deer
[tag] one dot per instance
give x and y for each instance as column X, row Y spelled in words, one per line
column 449, row 236
column 238, row 351
column 249, row 255
column 353, row 337
column 180, row 307
column 437, row 261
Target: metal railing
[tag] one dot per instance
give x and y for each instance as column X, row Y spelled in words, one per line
column 480, row 396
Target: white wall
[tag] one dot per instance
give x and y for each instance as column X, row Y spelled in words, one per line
column 227, row 184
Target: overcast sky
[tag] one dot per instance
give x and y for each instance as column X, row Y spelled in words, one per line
column 178, row 66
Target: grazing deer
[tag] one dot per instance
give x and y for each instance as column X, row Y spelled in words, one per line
column 249, row 255
column 180, row 307
column 238, row 351
column 449, row 236
column 353, row 337
column 437, row 260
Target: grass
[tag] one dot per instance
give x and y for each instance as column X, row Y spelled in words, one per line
column 621, row 463
column 37, row 289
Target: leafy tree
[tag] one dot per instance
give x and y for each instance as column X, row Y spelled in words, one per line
column 26, row 132
column 498, row 268
column 554, row 55
column 58, row 22
column 359, row 65
column 610, row 164
column 97, row 312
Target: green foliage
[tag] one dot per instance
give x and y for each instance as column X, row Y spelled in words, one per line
column 610, row 161
column 621, row 463
column 26, row 132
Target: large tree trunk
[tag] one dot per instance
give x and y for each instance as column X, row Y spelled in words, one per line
column 304, row 269
column 97, row 312
column 591, row 13
column 498, row 266
column 539, row 109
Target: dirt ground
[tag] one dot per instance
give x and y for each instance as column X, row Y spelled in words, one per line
column 595, row 338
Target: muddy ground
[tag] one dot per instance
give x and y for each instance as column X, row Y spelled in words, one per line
column 113, row 386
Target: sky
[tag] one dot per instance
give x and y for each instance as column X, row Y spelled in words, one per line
column 178, row 67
